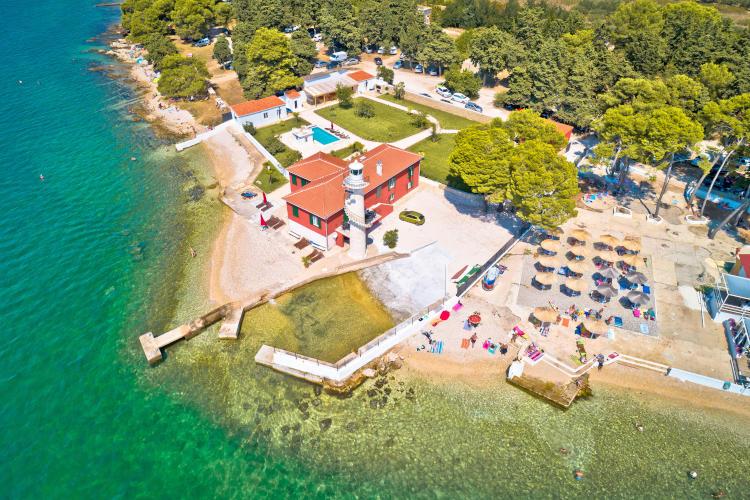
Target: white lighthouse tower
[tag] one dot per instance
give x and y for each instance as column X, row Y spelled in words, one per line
column 354, row 207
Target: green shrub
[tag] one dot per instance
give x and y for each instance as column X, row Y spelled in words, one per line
column 364, row 109
column 419, row 119
column 274, row 146
column 249, row 128
column 399, row 90
column 344, row 95
column 390, row 238
column 289, row 157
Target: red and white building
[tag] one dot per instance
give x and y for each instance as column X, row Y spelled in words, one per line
column 315, row 207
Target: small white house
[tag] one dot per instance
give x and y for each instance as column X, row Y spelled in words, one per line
column 365, row 81
column 293, row 100
column 259, row 112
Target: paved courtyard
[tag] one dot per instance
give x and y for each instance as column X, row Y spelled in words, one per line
column 530, row 296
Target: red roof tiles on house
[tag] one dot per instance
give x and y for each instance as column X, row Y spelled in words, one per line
column 323, row 197
column 318, row 166
column 564, row 129
column 360, row 76
column 256, row 106
column 292, row 94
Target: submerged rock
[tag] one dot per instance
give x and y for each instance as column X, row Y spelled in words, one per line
column 317, row 390
column 303, row 406
column 285, row 429
column 325, row 424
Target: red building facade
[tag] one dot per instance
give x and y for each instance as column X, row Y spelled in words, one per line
column 315, row 207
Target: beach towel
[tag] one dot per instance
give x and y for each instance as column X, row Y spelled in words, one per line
column 492, row 348
column 486, row 344
column 544, row 331
column 644, row 328
column 437, row 347
column 637, row 313
column 566, row 322
column 518, row 332
column 646, row 289
column 465, row 343
column 467, row 326
column 610, row 333
column 435, row 323
column 613, row 355
column 457, row 306
column 618, row 321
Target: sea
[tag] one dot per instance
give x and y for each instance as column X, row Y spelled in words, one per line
column 98, row 214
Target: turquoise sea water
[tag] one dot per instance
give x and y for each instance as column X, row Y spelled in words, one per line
column 97, row 253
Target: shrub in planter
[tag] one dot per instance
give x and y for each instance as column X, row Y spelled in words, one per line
column 390, row 238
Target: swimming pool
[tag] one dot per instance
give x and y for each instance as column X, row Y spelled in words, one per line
column 323, row 137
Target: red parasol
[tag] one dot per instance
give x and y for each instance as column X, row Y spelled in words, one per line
column 264, row 198
column 263, row 221
column 445, row 315
column 475, row 319
column 331, row 125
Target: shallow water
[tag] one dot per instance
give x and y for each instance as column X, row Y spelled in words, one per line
column 98, row 253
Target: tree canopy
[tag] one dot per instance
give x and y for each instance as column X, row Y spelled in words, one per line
column 183, row 77
column 271, row 65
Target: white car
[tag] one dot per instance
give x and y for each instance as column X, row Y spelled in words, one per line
column 381, row 50
column 318, row 37
column 394, row 50
column 443, row 92
column 432, row 71
column 368, row 50
column 459, row 97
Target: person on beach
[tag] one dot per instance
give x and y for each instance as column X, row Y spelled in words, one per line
column 473, row 340
column 192, row 252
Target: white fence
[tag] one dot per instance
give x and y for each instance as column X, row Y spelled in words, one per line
column 268, row 156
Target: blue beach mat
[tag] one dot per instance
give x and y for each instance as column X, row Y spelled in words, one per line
column 437, row 347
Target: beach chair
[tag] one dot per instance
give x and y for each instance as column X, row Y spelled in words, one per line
column 316, row 256
column 565, row 322
column 302, row 243
column 618, row 321
column 646, row 289
column 465, row 343
column 637, row 313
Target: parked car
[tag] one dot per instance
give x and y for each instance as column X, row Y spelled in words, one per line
column 369, row 49
column 332, row 64
column 418, row 68
column 398, row 64
column 381, row 50
column 425, row 94
column 432, row 71
column 459, row 97
column 472, row 106
column 412, row 217
column 446, row 100
column 203, row 42
column 350, row 62
column 291, row 29
column 319, row 63
column 394, row 50
column 378, row 61
column 442, row 91
column 402, row 56
column 339, row 56
column 318, row 37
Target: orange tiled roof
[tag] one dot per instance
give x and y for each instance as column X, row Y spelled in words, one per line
column 256, row 106
column 292, row 94
column 318, row 166
column 359, row 76
column 564, row 129
column 325, row 195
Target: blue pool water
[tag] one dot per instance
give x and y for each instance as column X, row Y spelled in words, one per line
column 323, row 137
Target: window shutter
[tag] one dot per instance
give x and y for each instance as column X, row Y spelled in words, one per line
column 294, row 179
column 312, row 220
column 295, row 211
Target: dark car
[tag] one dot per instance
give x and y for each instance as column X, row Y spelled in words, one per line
column 320, row 64
column 378, row 61
column 425, row 94
column 446, row 100
column 332, row 64
column 412, row 216
column 473, row 107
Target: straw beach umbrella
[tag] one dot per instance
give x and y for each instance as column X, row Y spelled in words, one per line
column 548, row 261
column 632, row 245
column 607, row 290
column 608, row 255
column 576, row 284
column 545, row 314
column 551, row 245
column 609, row 240
column 631, row 260
column 579, row 251
column 580, row 235
column 556, row 232
column 578, row 267
column 595, row 326
column 545, row 278
column 637, row 298
column 610, row 273
column 636, row 277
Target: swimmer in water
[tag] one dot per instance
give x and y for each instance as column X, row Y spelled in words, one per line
column 639, row 427
column 693, row 474
column 718, row 495
column 564, row 451
column 192, row 252
column 41, row 176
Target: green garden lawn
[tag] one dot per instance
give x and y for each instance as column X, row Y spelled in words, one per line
column 269, row 179
column 435, row 162
column 388, row 125
column 264, row 134
column 447, row 120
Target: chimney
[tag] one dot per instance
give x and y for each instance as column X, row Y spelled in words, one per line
column 379, row 168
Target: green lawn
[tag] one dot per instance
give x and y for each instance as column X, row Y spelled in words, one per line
column 435, row 163
column 388, row 125
column 446, row 119
column 263, row 134
column 344, row 152
column 269, row 179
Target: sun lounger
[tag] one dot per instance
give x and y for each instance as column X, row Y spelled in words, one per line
column 520, row 333
column 437, row 347
column 457, row 306
column 646, row 289
column 637, row 313
column 618, row 321
column 274, row 222
column 565, row 322
column 544, row 331
column 644, row 328
column 459, row 274
column 486, row 344
column 302, row 243
column 465, row 343
column 317, row 255
column 263, row 206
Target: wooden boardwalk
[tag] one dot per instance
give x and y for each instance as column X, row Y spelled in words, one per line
column 561, row 395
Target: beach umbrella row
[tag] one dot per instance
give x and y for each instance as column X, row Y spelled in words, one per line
column 548, row 260
column 580, row 235
column 577, row 266
column 545, row 278
column 545, row 314
column 609, row 240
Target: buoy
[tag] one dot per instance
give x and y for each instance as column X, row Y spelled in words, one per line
column 132, row 158
column 693, row 474
column 579, row 475
column 41, row 176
